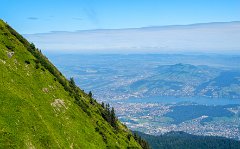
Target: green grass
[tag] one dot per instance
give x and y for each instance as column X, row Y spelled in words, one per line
column 30, row 115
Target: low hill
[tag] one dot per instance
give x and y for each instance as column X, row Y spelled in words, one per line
column 186, row 80
column 182, row 140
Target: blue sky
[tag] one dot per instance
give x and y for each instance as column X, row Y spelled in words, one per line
column 30, row 16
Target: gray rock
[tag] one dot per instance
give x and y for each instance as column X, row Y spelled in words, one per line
column 10, row 54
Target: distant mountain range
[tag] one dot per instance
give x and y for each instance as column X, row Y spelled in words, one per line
column 185, row 80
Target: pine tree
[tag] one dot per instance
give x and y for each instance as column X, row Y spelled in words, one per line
column 113, row 119
column 103, row 105
column 108, row 113
column 72, row 82
column 91, row 99
column 90, row 94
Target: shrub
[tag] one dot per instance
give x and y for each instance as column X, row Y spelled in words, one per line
column 27, row 61
column 37, row 66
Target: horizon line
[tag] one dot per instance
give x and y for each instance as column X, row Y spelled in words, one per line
column 144, row 27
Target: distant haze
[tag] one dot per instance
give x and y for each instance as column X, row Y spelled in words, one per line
column 208, row 37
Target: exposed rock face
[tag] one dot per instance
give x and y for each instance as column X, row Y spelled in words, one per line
column 10, row 54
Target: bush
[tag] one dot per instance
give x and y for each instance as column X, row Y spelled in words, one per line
column 97, row 129
column 37, row 66
column 27, row 61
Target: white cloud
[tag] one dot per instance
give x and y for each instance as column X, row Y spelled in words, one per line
column 211, row 37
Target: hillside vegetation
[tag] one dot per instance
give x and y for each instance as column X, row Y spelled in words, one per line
column 182, row 140
column 40, row 108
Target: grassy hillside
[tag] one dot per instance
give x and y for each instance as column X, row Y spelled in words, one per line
column 39, row 108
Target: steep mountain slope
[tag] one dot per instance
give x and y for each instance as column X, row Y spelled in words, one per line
column 39, row 108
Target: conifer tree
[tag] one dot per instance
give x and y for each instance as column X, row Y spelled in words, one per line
column 72, row 82
column 90, row 94
column 103, row 105
column 113, row 119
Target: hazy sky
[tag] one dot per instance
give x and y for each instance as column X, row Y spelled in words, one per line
column 209, row 37
column 41, row 16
